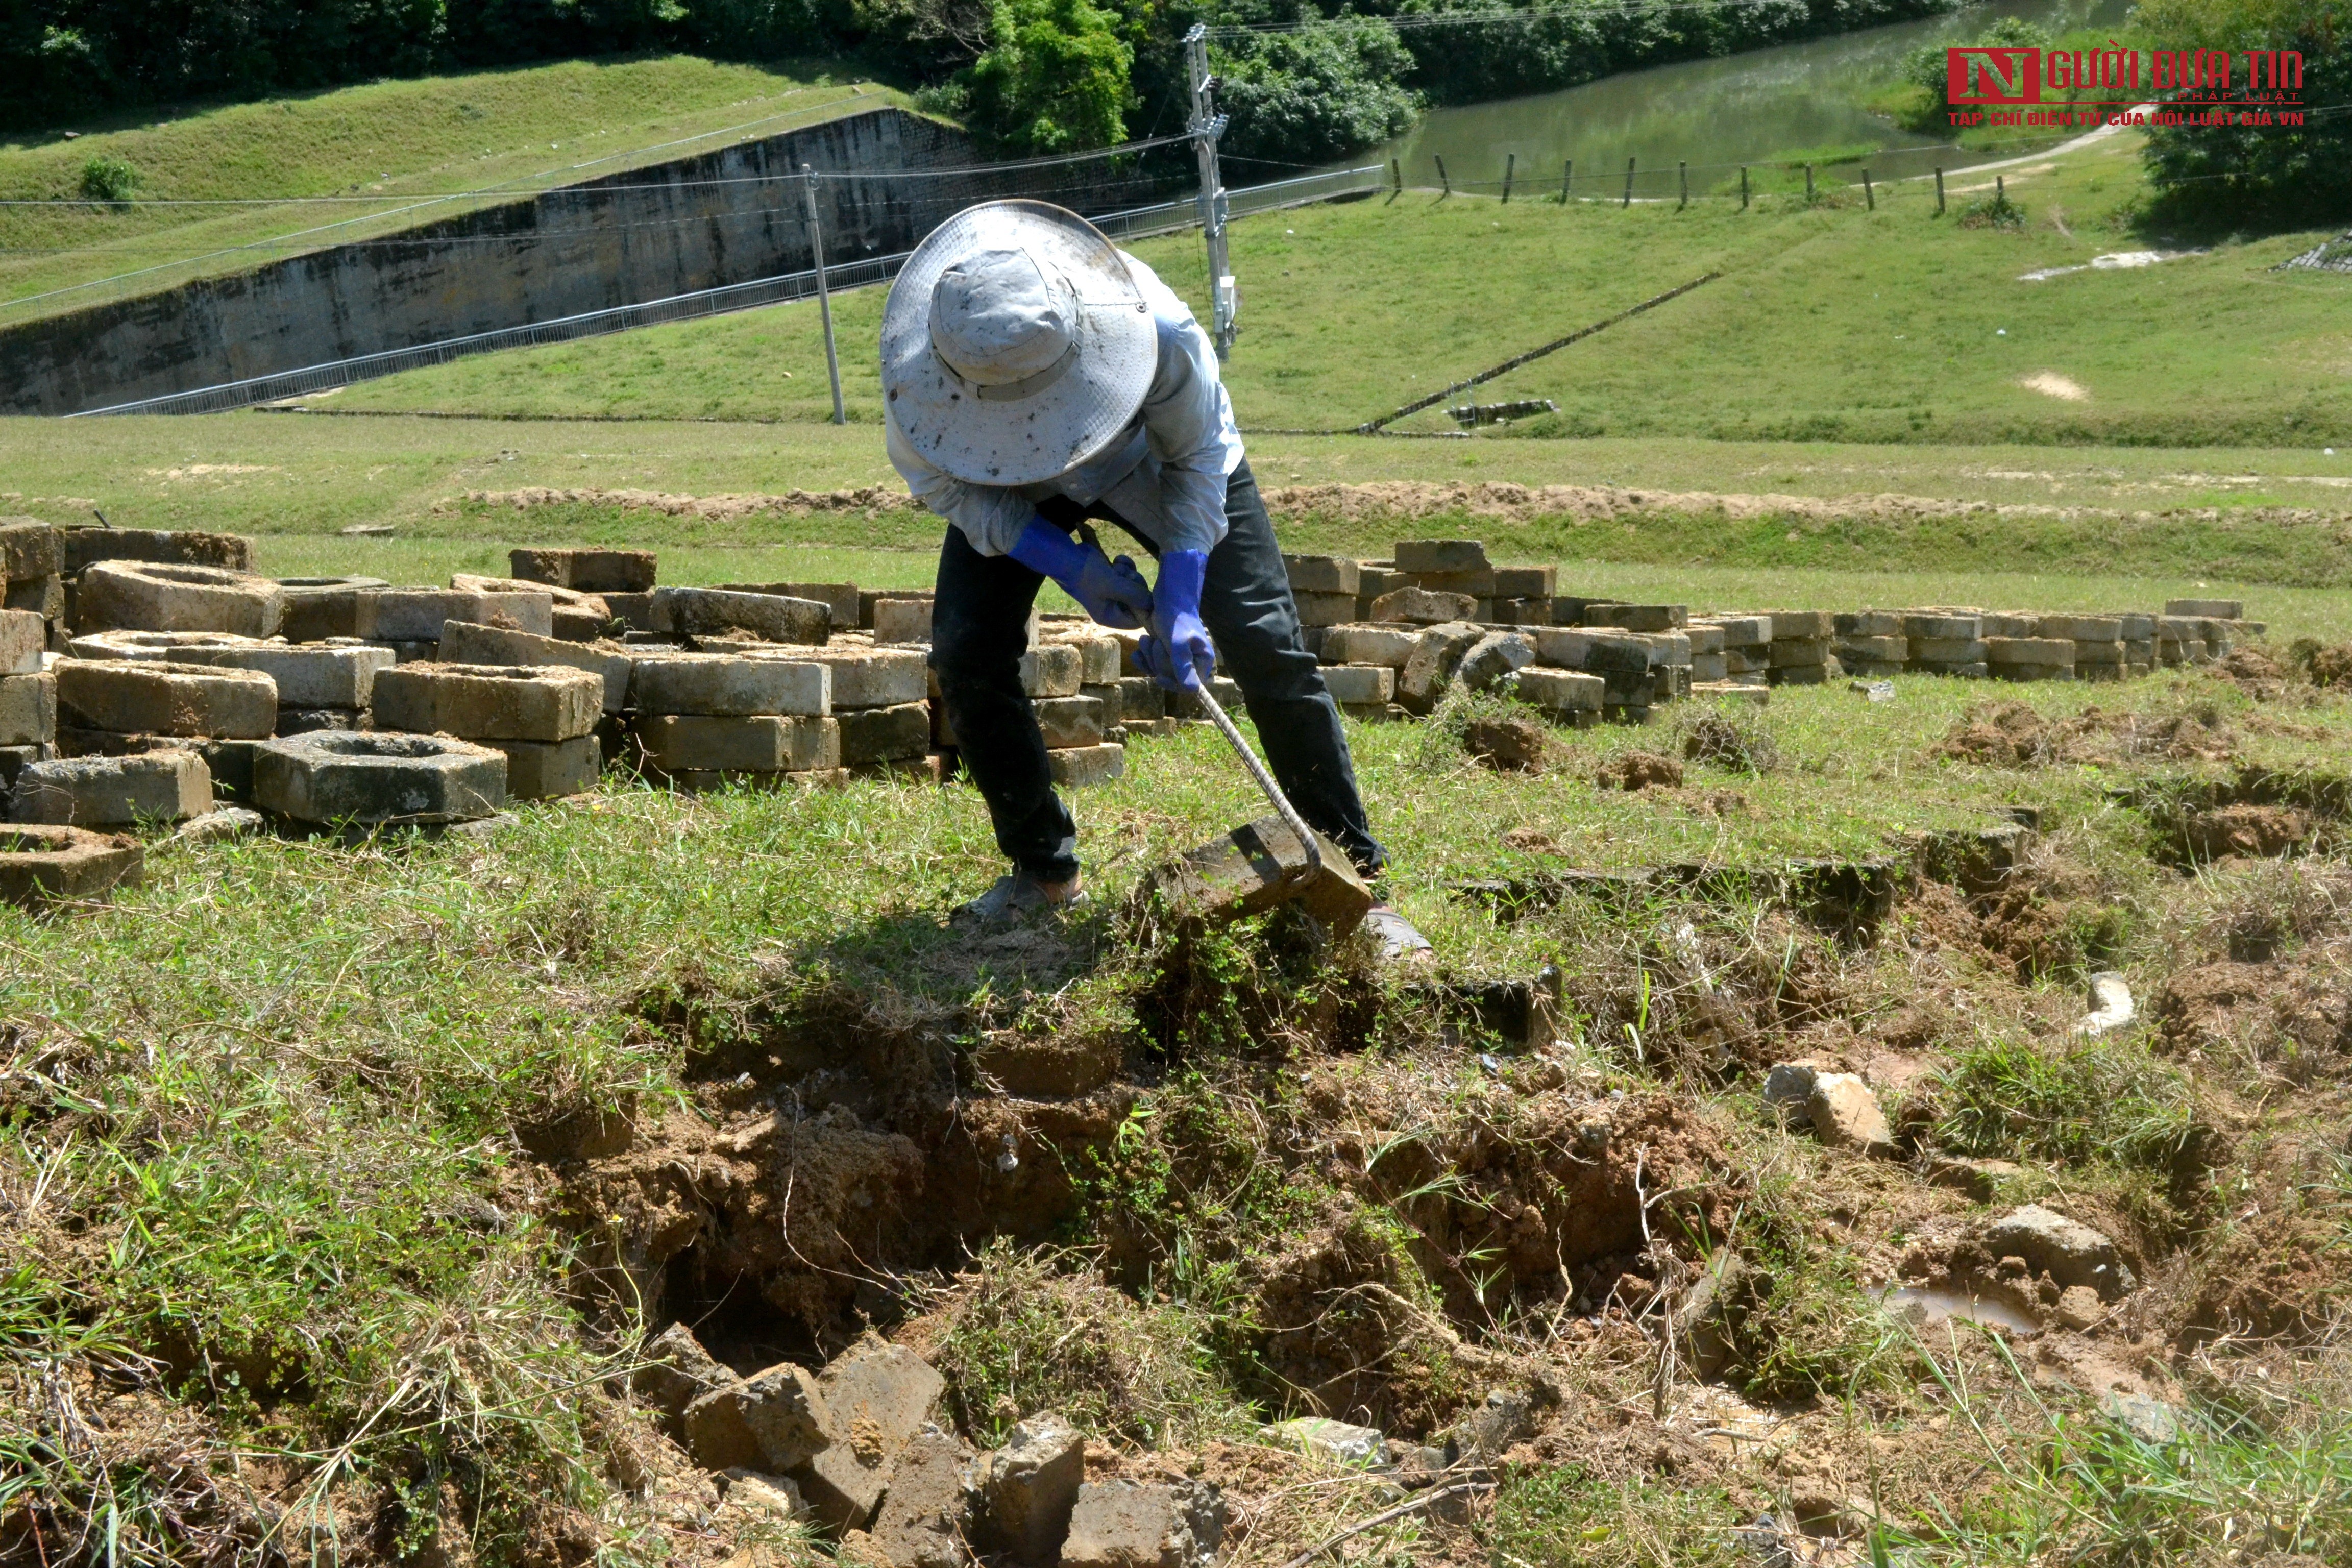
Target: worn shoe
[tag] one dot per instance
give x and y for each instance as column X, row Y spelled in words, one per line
column 1013, row 897
column 1400, row 943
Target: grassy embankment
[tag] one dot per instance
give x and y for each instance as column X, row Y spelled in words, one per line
column 401, row 144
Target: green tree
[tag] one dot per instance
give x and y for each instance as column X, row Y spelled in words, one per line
column 1926, row 67
column 1317, row 94
column 1053, row 78
column 2275, row 177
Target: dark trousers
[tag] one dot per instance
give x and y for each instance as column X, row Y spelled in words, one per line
column 979, row 623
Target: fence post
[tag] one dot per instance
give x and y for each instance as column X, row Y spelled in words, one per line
column 1809, row 185
column 824, row 299
column 1629, row 185
column 1939, row 193
column 1510, row 163
column 1869, row 196
column 1743, row 187
column 2000, row 190
column 1682, row 174
column 1441, row 179
column 1567, row 175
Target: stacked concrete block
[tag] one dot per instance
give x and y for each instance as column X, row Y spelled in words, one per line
column 1324, row 587
column 2138, row 634
column 2180, row 640
column 409, row 621
column 1079, row 746
column 143, row 789
column 1747, row 649
column 1366, row 691
column 2030, row 659
column 1631, row 666
column 2098, row 642
column 587, row 571
column 320, row 687
column 868, row 597
column 767, row 617
column 1420, row 607
column 41, row 862
column 32, row 564
column 318, row 608
column 575, row 616
column 29, row 697
column 1376, row 579
column 86, row 547
column 463, row 642
column 542, row 718
column 881, row 700
column 1800, row 647
column 839, row 599
column 1457, row 566
column 707, row 720
column 333, row 778
column 1944, row 642
column 187, row 702
column 1523, row 595
column 903, row 619
column 1870, row 643
column 158, row 596
column 1708, row 663
column 1637, row 617
column 1571, row 697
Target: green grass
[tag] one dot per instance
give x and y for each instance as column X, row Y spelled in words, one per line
column 1831, row 322
column 527, row 128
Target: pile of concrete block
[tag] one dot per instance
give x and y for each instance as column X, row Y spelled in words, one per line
column 1068, row 674
column 595, row 591
column 540, row 718
column 882, row 704
column 320, row 685
column 32, row 572
column 143, row 742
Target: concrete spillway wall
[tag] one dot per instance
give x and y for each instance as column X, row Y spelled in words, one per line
column 698, row 223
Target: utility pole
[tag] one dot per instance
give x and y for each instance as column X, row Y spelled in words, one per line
column 823, row 297
column 1207, row 125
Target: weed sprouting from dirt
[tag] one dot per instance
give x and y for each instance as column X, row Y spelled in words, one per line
column 1723, row 739
column 1025, row 1331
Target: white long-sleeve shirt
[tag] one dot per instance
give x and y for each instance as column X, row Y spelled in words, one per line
column 1166, row 473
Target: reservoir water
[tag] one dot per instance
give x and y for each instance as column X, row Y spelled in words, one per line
column 1715, row 114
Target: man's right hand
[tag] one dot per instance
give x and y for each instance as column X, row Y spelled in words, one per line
column 1113, row 592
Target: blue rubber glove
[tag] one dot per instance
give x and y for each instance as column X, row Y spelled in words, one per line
column 1177, row 651
column 1113, row 592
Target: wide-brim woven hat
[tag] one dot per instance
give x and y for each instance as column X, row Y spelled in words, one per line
column 1015, row 344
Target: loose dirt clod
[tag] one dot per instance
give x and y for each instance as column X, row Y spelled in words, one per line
column 1639, row 771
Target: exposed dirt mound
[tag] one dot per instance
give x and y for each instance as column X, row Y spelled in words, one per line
column 1639, row 771
column 2281, row 1275
column 2013, row 735
column 2332, row 666
column 2244, row 828
column 2295, row 1015
column 1508, row 745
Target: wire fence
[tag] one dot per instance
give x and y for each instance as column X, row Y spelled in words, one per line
column 1135, row 223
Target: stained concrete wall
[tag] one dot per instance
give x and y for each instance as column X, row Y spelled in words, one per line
column 623, row 239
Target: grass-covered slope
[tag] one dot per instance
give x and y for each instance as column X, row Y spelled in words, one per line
column 401, row 143
column 1830, row 322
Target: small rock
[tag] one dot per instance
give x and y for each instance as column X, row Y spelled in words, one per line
column 1029, row 1486
column 2071, row 1254
column 771, row 1421
column 1494, row 659
column 1504, row 1417
column 1788, row 1087
column 1362, row 1447
column 1873, row 690
column 222, row 825
column 1127, row 1524
column 485, row 827
column 2152, row 1421
column 1980, row 1179
column 2079, row 1306
column 2111, row 1005
column 753, row 1497
column 677, row 1372
column 1846, row 1115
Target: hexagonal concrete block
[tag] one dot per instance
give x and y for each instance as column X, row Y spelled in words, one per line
column 723, row 686
column 131, row 698
column 463, row 642
column 489, row 702
column 337, row 777
column 114, row 791
column 155, row 596
column 41, row 861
